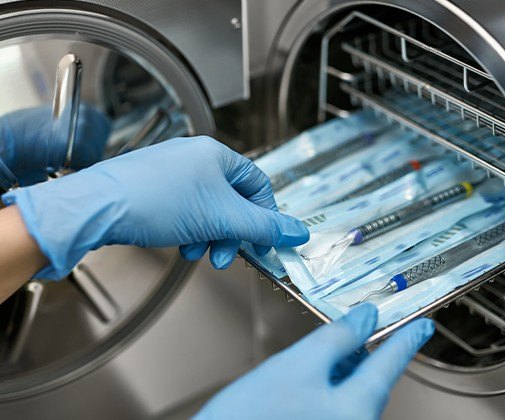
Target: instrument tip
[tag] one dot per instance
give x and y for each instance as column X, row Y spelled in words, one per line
column 373, row 293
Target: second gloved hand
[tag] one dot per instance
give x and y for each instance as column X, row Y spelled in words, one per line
column 192, row 193
column 28, row 148
column 327, row 375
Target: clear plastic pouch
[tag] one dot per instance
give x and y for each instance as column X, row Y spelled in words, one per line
column 318, row 140
column 393, row 149
column 329, row 259
column 397, row 306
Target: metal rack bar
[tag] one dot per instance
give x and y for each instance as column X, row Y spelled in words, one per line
column 405, row 41
column 444, row 73
column 481, row 143
column 286, row 286
column 426, row 88
column 291, row 290
column 494, row 291
column 447, row 333
column 489, row 303
column 487, row 97
column 490, row 312
column 377, row 103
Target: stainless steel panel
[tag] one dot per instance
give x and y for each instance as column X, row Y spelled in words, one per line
column 209, row 35
column 415, row 401
column 267, row 18
column 478, row 36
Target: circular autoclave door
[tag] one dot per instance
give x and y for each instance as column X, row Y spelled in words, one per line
column 117, row 90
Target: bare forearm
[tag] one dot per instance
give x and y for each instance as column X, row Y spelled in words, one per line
column 20, row 256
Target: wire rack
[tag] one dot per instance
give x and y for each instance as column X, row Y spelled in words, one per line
column 487, row 302
column 434, row 76
column 495, row 348
column 472, row 124
column 425, row 82
column 468, row 141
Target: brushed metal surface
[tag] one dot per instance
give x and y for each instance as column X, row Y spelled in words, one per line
column 202, row 31
column 415, row 401
column 198, row 344
column 266, row 17
column 478, row 31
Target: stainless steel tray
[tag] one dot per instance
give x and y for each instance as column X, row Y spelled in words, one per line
column 286, row 285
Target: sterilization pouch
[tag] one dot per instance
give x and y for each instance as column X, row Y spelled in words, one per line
column 318, row 140
column 329, row 261
column 397, row 306
column 333, row 271
column 393, row 149
column 459, row 232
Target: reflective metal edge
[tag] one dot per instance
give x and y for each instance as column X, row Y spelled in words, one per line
column 180, row 23
column 286, row 285
column 374, row 103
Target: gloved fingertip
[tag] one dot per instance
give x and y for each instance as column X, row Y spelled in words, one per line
column 193, row 252
column 293, row 232
column 221, row 260
column 425, row 328
column 363, row 318
column 188, row 255
column 261, row 250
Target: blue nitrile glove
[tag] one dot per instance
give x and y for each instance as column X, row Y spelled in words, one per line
column 327, row 375
column 189, row 192
column 27, row 148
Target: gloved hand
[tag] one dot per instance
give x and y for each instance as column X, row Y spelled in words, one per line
column 27, row 148
column 322, row 376
column 190, row 192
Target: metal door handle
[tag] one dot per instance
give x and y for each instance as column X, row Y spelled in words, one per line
column 67, row 97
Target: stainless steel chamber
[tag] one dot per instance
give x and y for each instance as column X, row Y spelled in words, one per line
column 331, row 57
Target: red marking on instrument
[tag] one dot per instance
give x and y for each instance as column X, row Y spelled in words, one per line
column 416, row 165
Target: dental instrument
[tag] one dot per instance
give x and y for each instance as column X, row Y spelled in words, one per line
column 318, row 162
column 412, row 212
column 401, row 217
column 387, row 178
column 443, row 262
